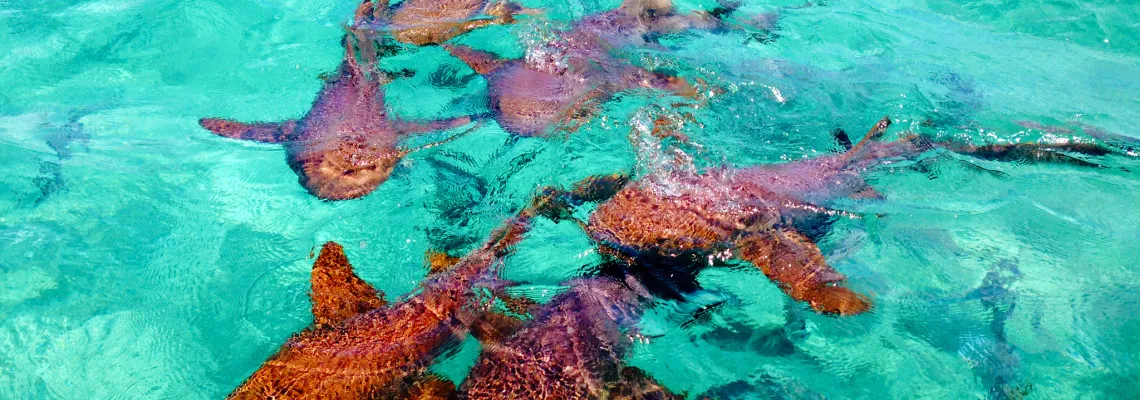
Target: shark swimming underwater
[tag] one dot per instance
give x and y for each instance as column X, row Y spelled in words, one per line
column 532, row 98
column 574, row 348
column 64, row 139
column 985, row 344
column 760, row 214
column 427, row 22
column 348, row 142
column 361, row 346
column 560, row 84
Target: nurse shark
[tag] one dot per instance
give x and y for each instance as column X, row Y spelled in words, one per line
column 762, row 215
column 348, row 143
column 361, row 346
column 574, row 348
column 428, row 22
column 561, row 83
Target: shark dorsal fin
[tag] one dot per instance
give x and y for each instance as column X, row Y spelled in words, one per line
column 873, row 134
column 338, row 293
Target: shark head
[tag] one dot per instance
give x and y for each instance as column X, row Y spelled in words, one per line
column 344, row 170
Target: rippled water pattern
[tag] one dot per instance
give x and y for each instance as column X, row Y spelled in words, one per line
column 142, row 257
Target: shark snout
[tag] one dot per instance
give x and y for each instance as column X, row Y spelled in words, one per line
column 337, row 175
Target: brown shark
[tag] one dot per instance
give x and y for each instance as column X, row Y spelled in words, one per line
column 348, row 143
column 574, row 348
column 533, row 97
column 758, row 214
column 560, row 83
column 639, row 23
column 425, row 22
column 361, row 347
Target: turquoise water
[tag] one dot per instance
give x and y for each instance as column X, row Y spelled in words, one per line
column 143, row 257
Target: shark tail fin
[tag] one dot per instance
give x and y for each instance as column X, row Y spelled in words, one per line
column 795, row 263
column 1032, row 153
column 338, row 293
column 264, row 132
column 480, row 61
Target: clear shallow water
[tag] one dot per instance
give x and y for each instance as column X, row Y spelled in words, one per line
column 142, row 257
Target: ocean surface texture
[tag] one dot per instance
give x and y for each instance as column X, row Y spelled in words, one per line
column 142, row 257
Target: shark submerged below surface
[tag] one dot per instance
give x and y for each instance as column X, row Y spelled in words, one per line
column 348, row 142
column 655, row 234
column 574, row 348
column 360, row 346
column 561, row 83
column 762, row 214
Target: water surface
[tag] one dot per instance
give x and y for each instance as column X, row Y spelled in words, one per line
column 143, row 257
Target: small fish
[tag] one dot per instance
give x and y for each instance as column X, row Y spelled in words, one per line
column 757, row 214
column 361, row 346
column 347, row 144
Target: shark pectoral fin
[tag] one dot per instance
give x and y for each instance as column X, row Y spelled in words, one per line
column 337, row 293
column 478, row 124
column 577, row 114
column 438, row 261
column 557, row 204
column 794, row 263
column 265, row 132
column 634, row 383
column 468, row 26
column 599, row 187
column 409, row 128
column 553, row 203
column 431, row 387
column 494, row 327
column 480, row 61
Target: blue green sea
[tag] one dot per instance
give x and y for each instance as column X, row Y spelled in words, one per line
column 142, row 257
